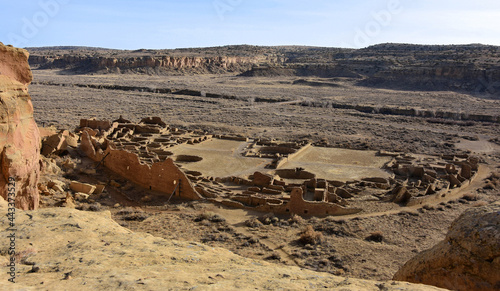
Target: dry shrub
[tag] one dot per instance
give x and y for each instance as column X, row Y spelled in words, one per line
column 470, row 197
column 310, row 236
column 428, row 207
column 494, row 176
column 96, row 207
column 126, row 211
column 296, row 219
column 273, row 257
column 253, row 223
column 480, row 204
column 209, row 216
column 376, row 236
column 133, row 214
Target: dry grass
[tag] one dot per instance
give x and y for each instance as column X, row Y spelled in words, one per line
column 133, row 214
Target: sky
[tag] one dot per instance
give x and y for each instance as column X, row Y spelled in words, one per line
column 156, row 24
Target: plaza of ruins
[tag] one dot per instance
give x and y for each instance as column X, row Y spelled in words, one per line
column 267, row 175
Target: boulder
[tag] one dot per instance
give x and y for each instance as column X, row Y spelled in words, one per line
column 54, row 144
column 82, row 187
column 343, row 193
column 153, row 120
column 466, row 171
column 19, row 134
column 99, row 189
column 270, row 191
column 468, row 258
column 454, row 181
column 95, row 124
column 260, row 179
column 401, row 195
column 81, row 196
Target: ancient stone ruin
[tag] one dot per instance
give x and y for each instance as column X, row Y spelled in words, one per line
column 19, row 135
column 152, row 155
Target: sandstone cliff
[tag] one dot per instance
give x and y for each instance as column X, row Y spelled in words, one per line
column 67, row 249
column 19, row 135
column 464, row 68
column 469, row 257
column 88, row 60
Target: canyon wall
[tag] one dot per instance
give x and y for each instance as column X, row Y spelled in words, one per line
column 140, row 64
column 19, row 135
column 464, row 68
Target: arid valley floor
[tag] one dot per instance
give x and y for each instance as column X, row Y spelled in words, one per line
column 346, row 122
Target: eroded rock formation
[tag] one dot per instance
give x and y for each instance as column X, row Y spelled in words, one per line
column 19, row 135
column 469, row 257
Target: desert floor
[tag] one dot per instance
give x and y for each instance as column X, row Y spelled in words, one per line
column 373, row 244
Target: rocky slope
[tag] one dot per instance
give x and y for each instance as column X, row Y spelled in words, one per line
column 19, row 136
column 465, row 68
column 63, row 249
column 469, row 257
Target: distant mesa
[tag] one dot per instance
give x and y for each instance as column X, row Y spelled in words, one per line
column 461, row 68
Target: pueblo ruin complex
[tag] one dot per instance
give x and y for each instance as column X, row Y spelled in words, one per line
column 266, row 175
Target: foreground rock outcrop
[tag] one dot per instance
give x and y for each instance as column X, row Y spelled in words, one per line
column 469, row 257
column 67, row 249
column 19, row 135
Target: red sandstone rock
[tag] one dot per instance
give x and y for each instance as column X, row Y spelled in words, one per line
column 19, row 135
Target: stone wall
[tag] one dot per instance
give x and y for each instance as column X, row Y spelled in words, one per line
column 162, row 176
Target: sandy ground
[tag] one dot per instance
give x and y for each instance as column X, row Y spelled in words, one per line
column 221, row 158
column 339, row 164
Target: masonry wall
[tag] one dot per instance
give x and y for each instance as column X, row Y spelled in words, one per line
column 162, row 177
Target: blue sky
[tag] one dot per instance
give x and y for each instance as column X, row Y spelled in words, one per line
column 128, row 24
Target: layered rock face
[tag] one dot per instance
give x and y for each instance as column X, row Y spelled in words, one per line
column 191, row 64
column 19, row 135
column 469, row 257
column 462, row 68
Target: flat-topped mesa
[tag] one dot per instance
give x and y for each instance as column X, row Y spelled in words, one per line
column 19, row 135
column 168, row 63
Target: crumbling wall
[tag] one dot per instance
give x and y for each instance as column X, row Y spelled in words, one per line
column 19, row 135
column 162, row 176
column 297, row 205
